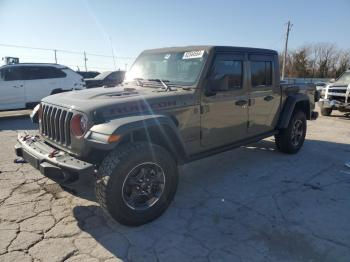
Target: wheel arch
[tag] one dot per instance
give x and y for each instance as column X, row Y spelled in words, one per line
column 157, row 129
column 293, row 103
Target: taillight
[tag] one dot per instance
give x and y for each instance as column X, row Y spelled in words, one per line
column 79, row 125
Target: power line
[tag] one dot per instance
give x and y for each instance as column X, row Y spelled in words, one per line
column 63, row 51
column 275, row 44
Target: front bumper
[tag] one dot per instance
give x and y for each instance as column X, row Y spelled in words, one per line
column 52, row 163
column 334, row 104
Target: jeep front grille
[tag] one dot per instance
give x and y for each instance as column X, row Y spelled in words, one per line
column 55, row 124
column 337, row 91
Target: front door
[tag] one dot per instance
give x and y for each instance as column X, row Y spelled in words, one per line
column 264, row 95
column 224, row 115
column 11, row 88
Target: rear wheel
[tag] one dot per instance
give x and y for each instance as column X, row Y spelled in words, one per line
column 291, row 139
column 136, row 183
column 326, row 111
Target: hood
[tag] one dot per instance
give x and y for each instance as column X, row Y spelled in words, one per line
column 91, row 81
column 122, row 100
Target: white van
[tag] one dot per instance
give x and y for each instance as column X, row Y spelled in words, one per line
column 24, row 85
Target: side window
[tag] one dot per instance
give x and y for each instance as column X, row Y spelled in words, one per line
column 13, row 73
column 230, row 71
column 261, row 73
column 56, row 73
column 43, row 72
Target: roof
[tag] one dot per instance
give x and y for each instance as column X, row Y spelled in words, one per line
column 36, row 64
column 210, row 48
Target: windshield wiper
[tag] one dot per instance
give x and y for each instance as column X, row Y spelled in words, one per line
column 167, row 88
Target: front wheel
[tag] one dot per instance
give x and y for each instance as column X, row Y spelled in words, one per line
column 291, row 139
column 136, row 183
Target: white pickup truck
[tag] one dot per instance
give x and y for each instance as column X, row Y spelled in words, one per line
column 336, row 95
column 25, row 84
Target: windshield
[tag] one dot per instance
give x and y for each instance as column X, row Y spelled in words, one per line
column 344, row 78
column 182, row 68
column 102, row 75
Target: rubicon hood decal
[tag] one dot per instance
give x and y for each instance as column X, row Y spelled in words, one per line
column 142, row 106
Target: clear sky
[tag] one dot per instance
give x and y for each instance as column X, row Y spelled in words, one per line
column 128, row 27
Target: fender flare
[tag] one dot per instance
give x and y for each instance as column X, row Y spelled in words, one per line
column 288, row 109
column 130, row 124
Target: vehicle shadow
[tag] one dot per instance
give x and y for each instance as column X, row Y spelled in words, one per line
column 340, row 115
column 232, row 177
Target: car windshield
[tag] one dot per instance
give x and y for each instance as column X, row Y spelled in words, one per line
column 181, row 68
column 102, row 75
column 344, row 78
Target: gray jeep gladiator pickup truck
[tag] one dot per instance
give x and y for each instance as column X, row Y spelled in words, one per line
column 176, row 105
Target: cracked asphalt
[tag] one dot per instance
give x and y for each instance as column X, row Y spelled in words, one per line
column 248, row 204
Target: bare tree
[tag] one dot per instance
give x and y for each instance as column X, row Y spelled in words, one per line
column 313, row 60
column 326, row 56
column 300, row 62
column 321, row 60
column 343, row 62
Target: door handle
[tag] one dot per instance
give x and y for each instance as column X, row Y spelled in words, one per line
column 268, row 98
column 241, row 102
column 17, row 86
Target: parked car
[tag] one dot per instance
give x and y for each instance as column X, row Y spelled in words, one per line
column 175, row 106
column 109, row 79
column 24, row 85
column 88, row 74
column 336, row 95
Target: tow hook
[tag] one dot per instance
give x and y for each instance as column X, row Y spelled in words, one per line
column 53, row 153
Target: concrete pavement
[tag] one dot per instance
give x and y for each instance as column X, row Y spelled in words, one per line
column 248, row 204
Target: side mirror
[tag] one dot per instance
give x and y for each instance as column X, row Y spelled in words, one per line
column 332, row 80
column 216, row 84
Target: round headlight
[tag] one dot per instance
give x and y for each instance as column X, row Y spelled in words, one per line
column 79, row 125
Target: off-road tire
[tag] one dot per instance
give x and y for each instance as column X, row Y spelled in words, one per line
column 283, row 139
column 113, row 172
column 326, row 111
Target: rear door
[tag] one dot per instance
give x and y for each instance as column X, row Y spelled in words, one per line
column 11, row 88
column 224, row 116
column 264, row 94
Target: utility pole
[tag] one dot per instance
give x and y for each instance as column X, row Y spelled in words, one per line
column 289, row 27
column 110, row 41
column 85, row 59
column 55, row 51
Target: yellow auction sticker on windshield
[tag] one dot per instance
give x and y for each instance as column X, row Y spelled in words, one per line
column 193, row 54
